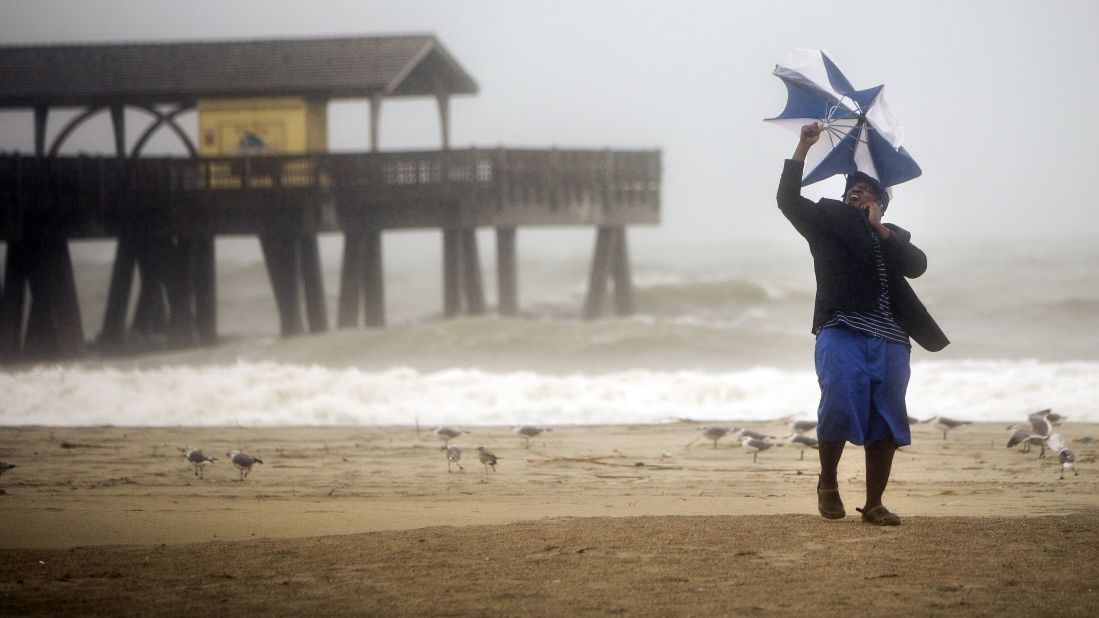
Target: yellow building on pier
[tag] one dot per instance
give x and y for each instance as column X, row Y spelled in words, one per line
column 279, row 126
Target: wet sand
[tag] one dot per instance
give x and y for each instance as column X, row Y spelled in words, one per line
column 642, row 519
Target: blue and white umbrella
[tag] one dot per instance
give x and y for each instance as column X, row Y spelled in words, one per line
column 861, row 132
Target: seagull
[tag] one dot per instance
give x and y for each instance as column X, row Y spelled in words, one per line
column 198, row 459
column 1068, row 461
column 243, row 462
column 912, row 420
column 755, row 445
column 1024, row 436
column 1042, row 429
column 4, row 467
column 748, row 433
column 713, row 433
column 446, row 434
column 529, row 432
column 453, row 454
column 803, row 427
column 487, row 457
column 944, row 424
column 801, row 443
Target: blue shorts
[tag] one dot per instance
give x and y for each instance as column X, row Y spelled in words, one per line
column 863, row 381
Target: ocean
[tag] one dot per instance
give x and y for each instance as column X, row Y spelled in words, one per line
column 721, row 332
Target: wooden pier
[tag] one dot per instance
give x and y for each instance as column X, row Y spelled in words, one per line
column 258, row 167
column 166, row 212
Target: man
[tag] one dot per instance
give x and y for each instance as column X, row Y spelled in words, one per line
column 864, row 313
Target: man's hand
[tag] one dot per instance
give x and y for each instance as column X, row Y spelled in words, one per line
column 874, row 214
column 873, row 211
column 810, row 133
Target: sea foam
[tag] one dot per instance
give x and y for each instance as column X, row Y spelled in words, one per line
column 274, row 394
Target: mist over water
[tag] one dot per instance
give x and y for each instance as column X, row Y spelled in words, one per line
column 721, row 332
column 996, row 300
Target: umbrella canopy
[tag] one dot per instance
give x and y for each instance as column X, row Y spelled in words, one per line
column 860, row 131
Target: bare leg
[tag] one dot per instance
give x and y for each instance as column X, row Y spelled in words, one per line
column 830, row 453
column 829, row 502
column 879, row 462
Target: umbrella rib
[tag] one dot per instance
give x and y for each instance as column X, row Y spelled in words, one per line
column 841, row 134
column 834, row 133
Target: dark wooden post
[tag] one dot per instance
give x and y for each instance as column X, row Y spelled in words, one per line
column 361, row 272
column 373, row 278
column 205, row 282
column 351, row 280
column 471, row 273
column 54, row 329
column 118, row 123
column 375, row 120
column 312, row 278
column 362, row 278
column 179, row 284
column 507, row 280
column 444, row 119
column 151, row 314
column 281, row 255
column 453, row 239
column 623, row 283
column 41, row 115
column 12, row 307
column 600, row 267
column 452, row 272
column 67, row 322
column 118, row 295
column 40, row 340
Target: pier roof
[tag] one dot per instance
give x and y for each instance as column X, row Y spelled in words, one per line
column 186, row 71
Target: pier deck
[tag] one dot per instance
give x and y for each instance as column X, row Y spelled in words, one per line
column 101, row 197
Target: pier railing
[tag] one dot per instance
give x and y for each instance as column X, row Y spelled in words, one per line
column 89, row 196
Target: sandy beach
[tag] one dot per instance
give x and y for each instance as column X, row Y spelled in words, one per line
column 639, row 519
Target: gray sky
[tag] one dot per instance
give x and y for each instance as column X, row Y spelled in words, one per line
column 997, row 98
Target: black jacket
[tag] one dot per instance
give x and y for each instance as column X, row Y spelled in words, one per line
column 843, row 260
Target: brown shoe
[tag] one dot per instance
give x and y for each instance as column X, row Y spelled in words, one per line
column 829, row 503
column 879, row 516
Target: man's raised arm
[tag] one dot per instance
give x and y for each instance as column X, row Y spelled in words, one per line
column 796, row 208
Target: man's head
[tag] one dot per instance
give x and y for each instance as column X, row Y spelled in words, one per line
column 862, row 186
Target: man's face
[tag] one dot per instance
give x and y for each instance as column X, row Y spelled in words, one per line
column 860, row 194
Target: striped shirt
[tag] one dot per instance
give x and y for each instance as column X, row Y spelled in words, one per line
column 879, row 322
